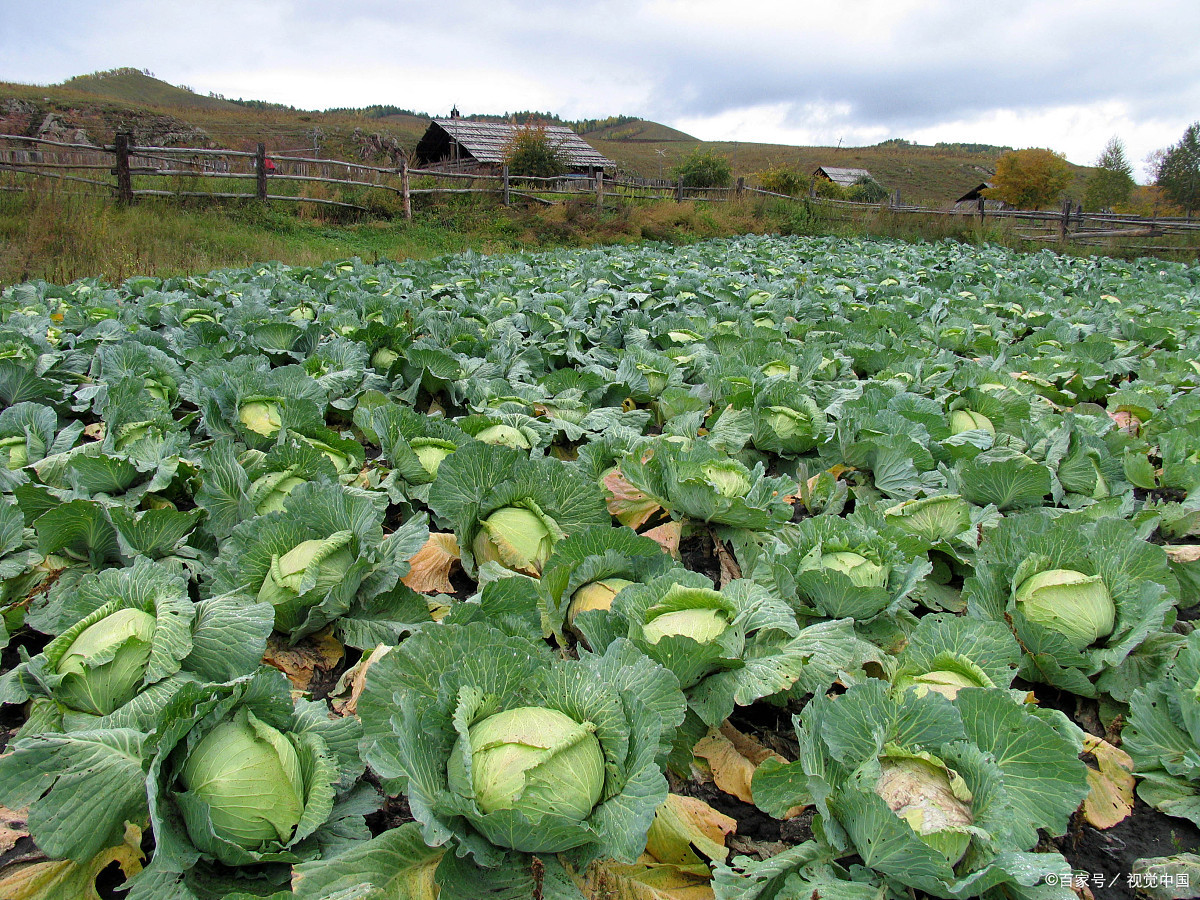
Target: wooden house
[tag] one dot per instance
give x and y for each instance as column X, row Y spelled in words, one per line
column 971, row 199
column 456, row 144
column 843, row 177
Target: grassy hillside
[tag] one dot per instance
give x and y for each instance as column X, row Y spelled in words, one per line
column 103, row 102
column 136, row 87
column 638, row 131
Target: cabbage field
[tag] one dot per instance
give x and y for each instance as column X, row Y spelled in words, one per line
column 760, row 569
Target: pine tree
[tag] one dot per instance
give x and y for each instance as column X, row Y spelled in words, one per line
column 1112, row 182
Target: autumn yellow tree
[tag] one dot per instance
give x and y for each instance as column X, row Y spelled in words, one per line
column 1030, row 179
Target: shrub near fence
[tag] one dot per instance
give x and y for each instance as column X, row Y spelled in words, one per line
column 128, row 172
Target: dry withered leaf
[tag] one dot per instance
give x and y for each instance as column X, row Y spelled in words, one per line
column 683, row 823
column 667, row 536
column 732, row 769
column 629, row 505
column 13, row 827
column 645, row 880
column 344, row 699
column 1184, row 554
column 1110, row 783
column 319, row 652
column 59, row 878
column 430, row 568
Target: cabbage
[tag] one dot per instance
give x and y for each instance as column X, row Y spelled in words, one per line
column 269, row 493
column 249, row 777
column 105, row 665
column 517, row 538
column 860, row 570
column 595, row 595
column 533, row 760
column 506, row 435
column 729, row 479
column 1077, row 606
column 261, row 417
column 701, row 625
column 931, row 798
column 430, row 453
column 325, row 560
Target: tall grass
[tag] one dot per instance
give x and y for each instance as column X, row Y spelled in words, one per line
column 61, row 235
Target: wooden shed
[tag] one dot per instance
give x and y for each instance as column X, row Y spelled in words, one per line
column 972, row 198
column 458, row 144
column 844, row 177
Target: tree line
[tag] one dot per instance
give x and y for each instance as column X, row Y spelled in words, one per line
column 1036, row 177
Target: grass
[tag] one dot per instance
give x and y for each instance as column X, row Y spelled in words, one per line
column 61, row 236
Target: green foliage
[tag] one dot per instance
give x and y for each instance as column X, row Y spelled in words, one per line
column 703, row 168
column 783, row 180
column 1030, row 179
column 1112, row 182
column 867, row 190
column 1179, row 173
column 532, row 151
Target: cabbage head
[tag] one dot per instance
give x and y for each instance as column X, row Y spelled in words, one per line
column 944, row 785
column 595, row 595
column 968, row 420
column 1077, row 606
column 506, row 435
column 932, row 798
column 532, row 759
column 861, row 571
column 248, row 776
column 321, row 564
column 269, row 492
column 244, row 782
column 516, row 537
column 261, row 417
column 105, row 665
column 1087, row 598
column 430, row 452
column 504, row 748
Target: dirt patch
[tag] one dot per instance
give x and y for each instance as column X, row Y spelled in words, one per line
column 1107, row 857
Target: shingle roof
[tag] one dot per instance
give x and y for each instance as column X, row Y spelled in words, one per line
column 486, row 141
column 844, row 177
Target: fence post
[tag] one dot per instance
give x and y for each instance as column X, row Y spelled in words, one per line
column 679, row 190
column 982, row 205
column 1064, row 225
column 599, row 190
column 504, row 174
column 404, row 189
column 124, row 178
column 741, row 186
column 260, row 171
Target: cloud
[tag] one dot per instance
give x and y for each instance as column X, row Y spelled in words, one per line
column 1060, row 73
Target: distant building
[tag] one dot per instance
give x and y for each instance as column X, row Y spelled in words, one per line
column 843, row 177
column 459, row 145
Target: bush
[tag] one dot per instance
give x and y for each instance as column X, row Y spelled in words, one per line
column 533, row 152
column 866, row 190
column 830, row 190
column 704, row 169
column 782, row 180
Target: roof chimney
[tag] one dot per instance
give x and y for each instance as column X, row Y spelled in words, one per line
column 454, row 113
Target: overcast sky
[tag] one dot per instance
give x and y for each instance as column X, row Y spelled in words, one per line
column 1063, row 74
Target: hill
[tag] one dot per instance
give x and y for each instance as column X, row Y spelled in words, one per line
column 143, row 89
column 102, row 103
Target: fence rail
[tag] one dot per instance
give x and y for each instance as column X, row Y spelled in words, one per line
column 138, row 171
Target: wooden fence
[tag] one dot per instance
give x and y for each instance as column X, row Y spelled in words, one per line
column 127, row 172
